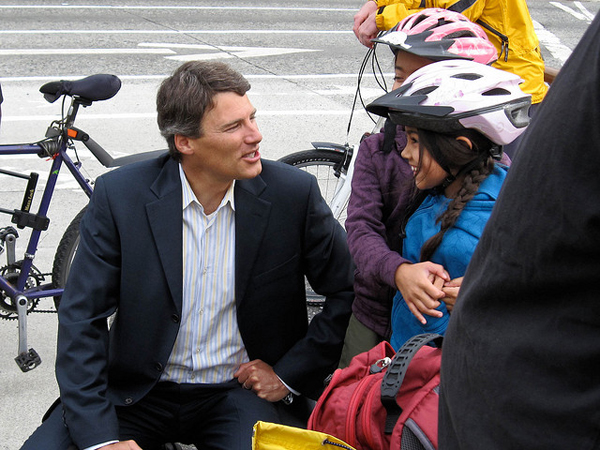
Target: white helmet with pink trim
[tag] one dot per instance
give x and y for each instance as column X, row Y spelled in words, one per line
column 449, row 96
column 439, row 34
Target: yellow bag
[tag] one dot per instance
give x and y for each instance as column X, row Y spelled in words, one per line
column 272, row 436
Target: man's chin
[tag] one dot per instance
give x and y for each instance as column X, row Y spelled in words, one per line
column 253, row 171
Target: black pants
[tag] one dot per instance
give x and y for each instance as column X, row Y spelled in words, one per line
column 208, row 416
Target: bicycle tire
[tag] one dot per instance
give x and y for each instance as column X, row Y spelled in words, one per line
column 323, row 165
column 65, row 253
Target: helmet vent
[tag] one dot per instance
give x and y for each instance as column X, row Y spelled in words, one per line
column 467, row 76
column 425, row 90
column 418, row 20
column 496, row 91
column 460, row 34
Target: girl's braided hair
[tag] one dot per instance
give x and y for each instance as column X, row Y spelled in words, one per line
column 477, row 163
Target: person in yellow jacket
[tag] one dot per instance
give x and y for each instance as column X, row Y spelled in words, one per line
column 507, row 23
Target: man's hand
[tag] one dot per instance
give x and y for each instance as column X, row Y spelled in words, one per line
column 451, row 289
column 125, row 445
column 260, row 377
column 365, row 27
column 421, row 287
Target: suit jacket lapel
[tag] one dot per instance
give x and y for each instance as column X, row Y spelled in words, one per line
column 165, row 218
column 251, row 218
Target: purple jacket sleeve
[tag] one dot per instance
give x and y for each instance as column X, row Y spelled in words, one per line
column 379, row 197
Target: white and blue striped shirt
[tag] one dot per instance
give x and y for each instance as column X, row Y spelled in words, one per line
column 209, row 347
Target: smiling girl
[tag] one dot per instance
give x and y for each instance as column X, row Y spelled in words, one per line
column 457, row 116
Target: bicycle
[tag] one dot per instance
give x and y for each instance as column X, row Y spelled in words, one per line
column 23, row 285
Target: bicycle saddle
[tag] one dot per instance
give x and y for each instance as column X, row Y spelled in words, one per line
column 92, row 88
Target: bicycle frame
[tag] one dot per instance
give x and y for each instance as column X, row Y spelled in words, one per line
column 60, row 137
column 19, row 292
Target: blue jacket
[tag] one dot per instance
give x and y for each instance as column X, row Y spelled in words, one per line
column 454, row 252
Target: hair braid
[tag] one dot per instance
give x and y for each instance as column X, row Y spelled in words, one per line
column 469, row 188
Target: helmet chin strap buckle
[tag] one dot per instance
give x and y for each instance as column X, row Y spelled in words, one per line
column 496, row 152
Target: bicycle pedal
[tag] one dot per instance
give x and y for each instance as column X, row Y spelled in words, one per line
column 28, row 360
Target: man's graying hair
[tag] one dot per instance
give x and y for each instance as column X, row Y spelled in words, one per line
column 188, row 94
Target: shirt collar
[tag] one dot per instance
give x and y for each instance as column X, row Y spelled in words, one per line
column 188, row 196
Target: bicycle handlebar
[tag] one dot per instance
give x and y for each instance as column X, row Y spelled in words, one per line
column 92, row 88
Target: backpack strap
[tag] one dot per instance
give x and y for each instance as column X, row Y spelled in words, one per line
column 395, row 373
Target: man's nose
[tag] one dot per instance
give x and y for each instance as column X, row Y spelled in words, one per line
column 254, row 134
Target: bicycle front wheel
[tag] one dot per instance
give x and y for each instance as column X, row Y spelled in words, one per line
column 327, row 168
column 65, row 253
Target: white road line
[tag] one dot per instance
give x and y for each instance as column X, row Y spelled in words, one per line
column 215, row 51
column 200, row 8
column 243, row 32
column 46, row 118
column 85, row 51
column 571, row 11
column 551, row 42
column 162, row 76
column 584, row 11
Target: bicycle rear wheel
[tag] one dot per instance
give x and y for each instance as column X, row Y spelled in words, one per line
column 326, row 167
column 65, row 253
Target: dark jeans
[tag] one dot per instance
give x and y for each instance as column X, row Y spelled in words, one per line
column 208, row 416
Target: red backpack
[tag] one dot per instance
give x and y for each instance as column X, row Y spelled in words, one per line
column 385, row 400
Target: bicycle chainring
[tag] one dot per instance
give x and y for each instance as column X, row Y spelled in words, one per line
column 8, row 310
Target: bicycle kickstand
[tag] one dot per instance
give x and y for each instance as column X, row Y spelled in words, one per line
column 27, row 359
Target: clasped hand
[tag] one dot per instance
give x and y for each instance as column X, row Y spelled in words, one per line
column 262, row 379
column 424, row 285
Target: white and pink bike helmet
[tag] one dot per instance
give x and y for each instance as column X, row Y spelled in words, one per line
column 449, row 96
column 439, row 34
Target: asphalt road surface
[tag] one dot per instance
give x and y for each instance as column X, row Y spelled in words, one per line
column 302, row 60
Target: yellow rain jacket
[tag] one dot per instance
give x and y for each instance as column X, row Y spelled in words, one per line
column 507, row 24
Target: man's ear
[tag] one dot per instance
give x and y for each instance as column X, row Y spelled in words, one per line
column 466, row 140
column 183, row 144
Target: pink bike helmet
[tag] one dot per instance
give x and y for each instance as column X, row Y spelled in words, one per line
column 448, row 96
column 439, row 34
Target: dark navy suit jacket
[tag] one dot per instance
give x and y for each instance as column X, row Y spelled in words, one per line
column 129, row 260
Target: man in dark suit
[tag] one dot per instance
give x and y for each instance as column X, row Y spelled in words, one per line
column 202, row 254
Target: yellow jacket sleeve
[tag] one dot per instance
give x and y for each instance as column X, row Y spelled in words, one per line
column 506, row 22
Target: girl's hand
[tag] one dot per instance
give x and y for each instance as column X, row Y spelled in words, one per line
column 451, row 289
column 421, row 286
